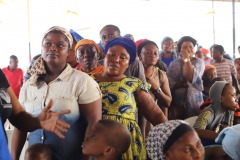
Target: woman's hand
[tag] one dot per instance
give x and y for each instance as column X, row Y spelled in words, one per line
column 49, row 120
column 186, row 53
column 153, row 82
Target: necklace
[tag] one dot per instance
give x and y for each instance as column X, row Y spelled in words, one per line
column 148, row 77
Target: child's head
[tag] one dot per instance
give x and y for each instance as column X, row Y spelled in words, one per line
column 210, row 72
column 108, row 139
column 223, row 94
column 38, row 151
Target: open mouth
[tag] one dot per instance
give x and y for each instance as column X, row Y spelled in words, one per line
column 114, row 66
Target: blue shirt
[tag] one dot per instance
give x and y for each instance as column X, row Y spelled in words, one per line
column 4, row 152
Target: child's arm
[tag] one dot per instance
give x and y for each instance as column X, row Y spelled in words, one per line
column 204, row 119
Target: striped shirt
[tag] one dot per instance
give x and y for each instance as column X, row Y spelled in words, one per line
column 225, row 69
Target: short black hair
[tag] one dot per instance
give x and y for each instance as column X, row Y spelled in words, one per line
column 115, row 28
column 144, row 43
column 116, row 129
column 13, row 57
column 184, row 39
column 219, row 48
column 37, row 149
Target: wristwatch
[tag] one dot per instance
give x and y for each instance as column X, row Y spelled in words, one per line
column 186, row 60
column 159, row 90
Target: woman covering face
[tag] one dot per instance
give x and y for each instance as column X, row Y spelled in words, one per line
column 185, row 79
column 52, row 78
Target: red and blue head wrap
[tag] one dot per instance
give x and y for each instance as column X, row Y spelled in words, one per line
column 126, row 43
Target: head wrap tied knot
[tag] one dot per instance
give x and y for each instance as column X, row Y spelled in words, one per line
column 85, row 42
column 63, row 31
column 126, row 43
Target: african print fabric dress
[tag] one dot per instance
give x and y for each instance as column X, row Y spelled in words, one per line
column 119, row 104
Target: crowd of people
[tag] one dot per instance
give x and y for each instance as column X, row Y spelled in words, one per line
column 122, row 99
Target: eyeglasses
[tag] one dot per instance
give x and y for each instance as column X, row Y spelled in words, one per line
column 104, row 37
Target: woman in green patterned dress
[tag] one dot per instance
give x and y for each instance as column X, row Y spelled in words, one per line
column 122, row 95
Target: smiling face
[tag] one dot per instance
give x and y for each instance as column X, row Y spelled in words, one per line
column 87, row 57
column 228, row 98
column 188, row 147
column 116, row 60
column 55, row 49
column 149, row 55
column 168, row 46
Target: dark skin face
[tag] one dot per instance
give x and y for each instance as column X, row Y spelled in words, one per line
column 168, row 46
column 149, row 55
column 108, row 34
column 211, row 73
column 55, row 50
column 187, row 147
column 217, row 55
column 71, row 59
column 87, row 57
column 96, row 144
column 13, row 64
column 199, row 54
column 116, row 61
column 228, row 99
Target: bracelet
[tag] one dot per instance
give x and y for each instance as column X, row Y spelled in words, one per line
column 159, row 90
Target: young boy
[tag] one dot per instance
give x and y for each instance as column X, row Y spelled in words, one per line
column 108, row 141
column 219, row 114
column 38, row 151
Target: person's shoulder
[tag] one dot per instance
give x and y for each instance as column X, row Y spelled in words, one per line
column 5, row 69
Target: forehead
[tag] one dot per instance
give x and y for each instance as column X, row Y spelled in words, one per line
column 108, row 31
column 99, row 129
column 150, row 46
column 118, row 48
column 168, row 41
column 187, row 43
column 229, row 89
column 87, row 47
column 189, row 137
column 55, row 36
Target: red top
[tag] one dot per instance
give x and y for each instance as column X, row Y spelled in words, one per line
column 15, row 79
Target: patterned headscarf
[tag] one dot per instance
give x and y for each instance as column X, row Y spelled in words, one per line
column 63, row 31
column 38, row 69
column 163, row 136
column 87, row 41
column 127, row 43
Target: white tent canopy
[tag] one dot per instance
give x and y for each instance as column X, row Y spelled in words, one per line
column 24, row 22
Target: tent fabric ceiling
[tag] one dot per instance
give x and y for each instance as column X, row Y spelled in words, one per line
column 223, row 0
